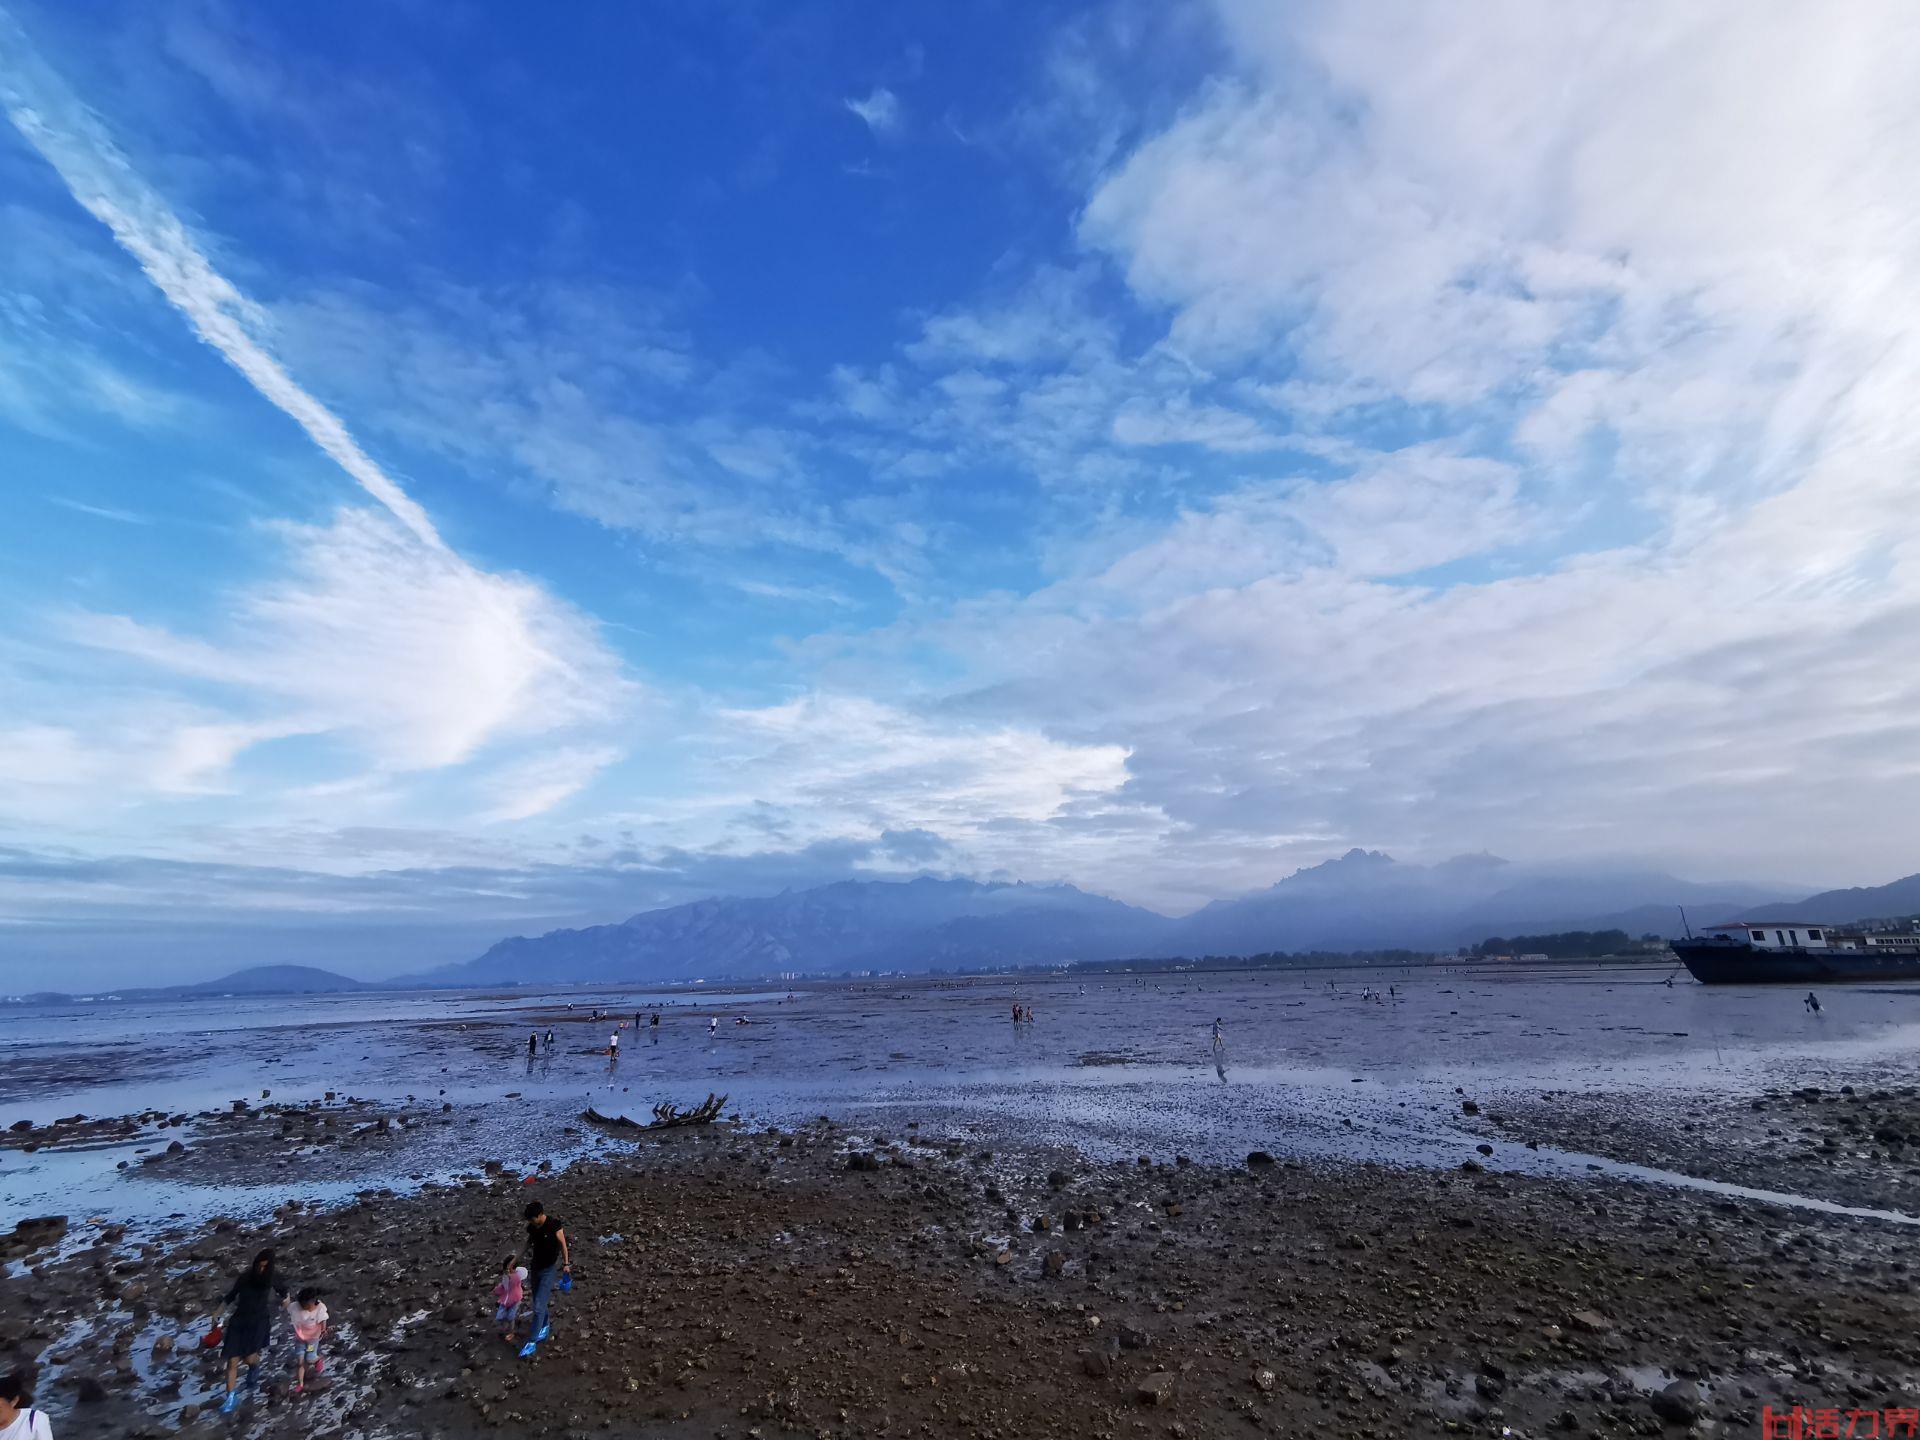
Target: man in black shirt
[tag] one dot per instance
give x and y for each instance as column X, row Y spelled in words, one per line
column 546, row 1255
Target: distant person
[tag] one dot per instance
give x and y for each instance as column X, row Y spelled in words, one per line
column 18, row 1420
column 533, row 1046
column 547, row 1257
column 1812, row 1002
column 307, row 1313
column 713, row 1027
column 613, row 1045
column 1219, row 1035
column 653, row 1021
column 549, row 1040
column 508, row 1292
column 249, row 1323
column 636, row 1019
column 1016, row 1014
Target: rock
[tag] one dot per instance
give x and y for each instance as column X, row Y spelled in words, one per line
column 1472, row 1167
column 1056, row 1262
column 162, row 1345
column 21, row 1125
column 1678, row 1403
column 33, row 1233
column 1156, row 1389
column 1264, row 1381
column 1484, row 1149
column 87, row 1390
column 1589, row 1322
column 1467, row 1107
column 1097, row 1363
column 1259, row 1157
column 1057, row 1179
column 863, row 1160
column 1132, row 1337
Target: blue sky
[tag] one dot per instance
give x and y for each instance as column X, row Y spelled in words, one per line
column 469, row 469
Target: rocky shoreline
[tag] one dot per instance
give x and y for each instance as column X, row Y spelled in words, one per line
column 825, row 1281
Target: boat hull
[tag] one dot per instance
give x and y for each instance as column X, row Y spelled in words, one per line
column 1723, row 963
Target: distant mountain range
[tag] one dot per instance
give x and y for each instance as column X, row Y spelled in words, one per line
column 923, row 924
column 1364, row 900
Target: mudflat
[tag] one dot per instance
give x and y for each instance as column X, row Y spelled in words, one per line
column 822, row 1281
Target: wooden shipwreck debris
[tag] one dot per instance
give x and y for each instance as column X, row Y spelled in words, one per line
column 666, row 1115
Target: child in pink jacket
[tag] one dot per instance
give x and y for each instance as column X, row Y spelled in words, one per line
column 507, row 1296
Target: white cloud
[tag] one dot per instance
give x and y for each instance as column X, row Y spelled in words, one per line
column 72, row 140
column 417, row 658
column 380, row 636
column 1655, row 287
column 879, row 110
column 540, row 782
column 849, row 764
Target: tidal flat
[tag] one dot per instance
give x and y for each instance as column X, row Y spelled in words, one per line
column 1577, row 1202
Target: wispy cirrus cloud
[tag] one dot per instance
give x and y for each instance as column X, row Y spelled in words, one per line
column 73, row 140
column 381, row 636
column 879, row 110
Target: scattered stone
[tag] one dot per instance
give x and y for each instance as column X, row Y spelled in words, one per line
column 1155, row 1389
column 1678, row 1403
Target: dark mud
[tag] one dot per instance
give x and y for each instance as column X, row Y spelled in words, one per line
column 826, row 1282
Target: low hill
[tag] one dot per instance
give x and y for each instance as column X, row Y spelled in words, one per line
column 270, row 980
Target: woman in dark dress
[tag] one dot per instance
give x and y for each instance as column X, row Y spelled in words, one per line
column 249, row 1322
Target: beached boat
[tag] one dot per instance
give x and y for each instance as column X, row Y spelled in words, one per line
column 1769, row 952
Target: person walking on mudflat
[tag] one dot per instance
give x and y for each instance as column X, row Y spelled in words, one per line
column 250, row 1323
column 547, row 1258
